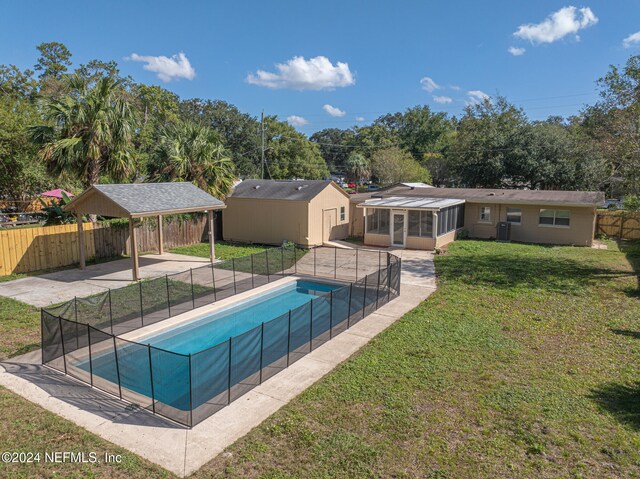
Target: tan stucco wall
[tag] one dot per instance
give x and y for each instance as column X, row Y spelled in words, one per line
column 445, row 239
column 414, row 242
column 377, row 240
column 249, row 220
column 580, row 232
column 329, row 199
column 356, row 221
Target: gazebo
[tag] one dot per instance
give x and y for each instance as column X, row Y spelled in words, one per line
column 140, row 200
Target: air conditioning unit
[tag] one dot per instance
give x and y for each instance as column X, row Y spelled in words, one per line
column 504, row 231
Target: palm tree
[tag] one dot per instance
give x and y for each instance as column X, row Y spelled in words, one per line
column 189, row 151
column 88, row 131
column 358, row 167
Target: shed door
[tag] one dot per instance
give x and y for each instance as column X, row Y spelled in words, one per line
column 329, row 223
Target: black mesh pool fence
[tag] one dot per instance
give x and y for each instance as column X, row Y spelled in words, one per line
column 82, row 337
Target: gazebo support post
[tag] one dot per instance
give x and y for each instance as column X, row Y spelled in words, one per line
column 83, row 264
column 160, row 236
column 212, row 246
column 133, row 245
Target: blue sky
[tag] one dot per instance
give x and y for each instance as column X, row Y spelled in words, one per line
column 376, row 54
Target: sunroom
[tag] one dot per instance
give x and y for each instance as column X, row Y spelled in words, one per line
column 414, row 223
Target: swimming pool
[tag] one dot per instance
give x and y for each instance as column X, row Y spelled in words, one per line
column 200, row 349
column 211, row 329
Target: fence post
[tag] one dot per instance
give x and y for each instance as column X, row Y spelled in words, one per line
column 331, row 314
column 193, row 296
column 288, row 339
column 166, row 276
column 266, row 255
column 229, row 377
column 115, row 352
column 335, row 263
column 233, row 267
column 110, row 312
column 141, row 307
column 90, row 359
column 75, row 306
column 282, row 260
column 311, row 326
column 295, row 259
column 389, row 269
column 190, row 395
column 261, row 348
column 364, row 299
column 153, row 395
column 378, row 284
column 213, row 278
column 315, row 251
column 357, row 264
column 252, row 283
column 64, row 354
column 349, row 312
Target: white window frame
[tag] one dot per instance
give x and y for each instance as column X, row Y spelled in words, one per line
column 555, row 213
column 481, row 212
column 342, row 213
column 518, row 223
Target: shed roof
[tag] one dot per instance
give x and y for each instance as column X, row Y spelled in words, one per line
column 282, row 189
column 494, row 195
column 136, row 200
column 403, row 202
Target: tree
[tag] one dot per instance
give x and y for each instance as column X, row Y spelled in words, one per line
column 358, row 167
column 16, row 83
column 394, row 165
column 54, row 59
column 335, row 146
column 240, row 132
column 88, row 131
column 613, row 123
column 191, row 152
column 292, row 155
column 22, row 173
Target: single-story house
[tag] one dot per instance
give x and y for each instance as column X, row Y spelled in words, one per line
column 306, row 212
column 428, row 218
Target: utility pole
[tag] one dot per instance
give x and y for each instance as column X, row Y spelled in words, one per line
column 262, row 148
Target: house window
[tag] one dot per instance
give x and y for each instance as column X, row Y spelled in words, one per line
column 450, row 219
column 377, row 221
column 485, row 214
column 514, row 215
column 420, row 224
column 342, row 213
column 560, row 218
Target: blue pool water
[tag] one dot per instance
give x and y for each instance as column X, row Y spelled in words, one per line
column 215, row 328
column 168, row 379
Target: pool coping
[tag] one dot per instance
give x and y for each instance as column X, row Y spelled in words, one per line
column 182, row 450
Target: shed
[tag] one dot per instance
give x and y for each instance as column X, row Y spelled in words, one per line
column 306, row 212
column 140, row 200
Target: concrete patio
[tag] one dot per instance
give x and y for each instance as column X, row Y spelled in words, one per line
column 51, row 288
column 181, row 450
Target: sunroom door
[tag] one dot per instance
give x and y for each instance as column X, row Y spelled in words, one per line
column 398, row 233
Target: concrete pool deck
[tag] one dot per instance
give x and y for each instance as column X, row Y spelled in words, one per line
column 182, row 450
column 64, row 285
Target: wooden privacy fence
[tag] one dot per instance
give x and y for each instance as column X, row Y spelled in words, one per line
column 618, row 224
column 23, row 250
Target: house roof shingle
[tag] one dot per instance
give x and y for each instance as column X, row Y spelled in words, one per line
column 139, row 199
column 280, row 189
column 488, row 195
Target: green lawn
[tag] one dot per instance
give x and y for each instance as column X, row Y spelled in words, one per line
column 224, row 250
column 524, row 363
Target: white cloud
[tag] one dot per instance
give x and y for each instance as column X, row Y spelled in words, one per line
column 566, row 21
column 317, row 73
column 516, row 51
column 359, row 118
column 631, row 40
column 428, row 84
column 455, row 87
column 295, row 120
column 167, row 68
column 333, row 111
column 442, row 99
column 477, row 96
